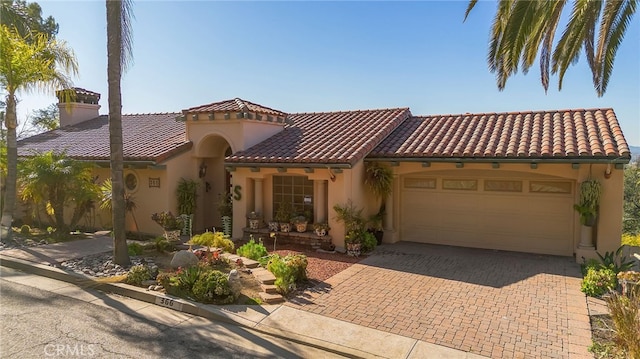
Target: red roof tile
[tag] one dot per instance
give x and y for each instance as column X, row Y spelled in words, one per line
column 235, row 105
column 146, row 137
column 580, row 133
column 325, row 138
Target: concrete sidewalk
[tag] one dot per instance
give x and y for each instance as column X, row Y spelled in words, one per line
column 333, row 335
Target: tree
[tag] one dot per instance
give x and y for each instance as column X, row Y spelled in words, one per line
column 631, row 216
column 55, row 180
column 42, row 63
column 521, row 28
column 26, row 18
column 46, row 119
column 119, row 56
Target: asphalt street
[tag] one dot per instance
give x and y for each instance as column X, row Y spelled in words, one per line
column 39, row 324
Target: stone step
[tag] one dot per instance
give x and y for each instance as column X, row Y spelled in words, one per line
column 250, row 263
column 266, row 278
column 269, row 288
column 270, row 298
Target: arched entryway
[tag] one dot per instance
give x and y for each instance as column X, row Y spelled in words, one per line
column 215, row 180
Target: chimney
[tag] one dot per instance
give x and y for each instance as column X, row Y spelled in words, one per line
column 77, row 105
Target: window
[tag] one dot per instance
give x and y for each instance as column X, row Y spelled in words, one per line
column 296, row 190
column 502, row 186
column 131, row 182
column 429, row 183
column 460, row 184
column 549, row 187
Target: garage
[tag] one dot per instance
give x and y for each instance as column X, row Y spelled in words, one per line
column 505, row 212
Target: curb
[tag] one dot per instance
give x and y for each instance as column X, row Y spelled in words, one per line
column 186, row 306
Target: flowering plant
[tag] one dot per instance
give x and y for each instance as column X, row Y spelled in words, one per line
column 167, row 221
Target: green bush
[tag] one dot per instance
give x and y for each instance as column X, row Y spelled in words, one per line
column 163, row 245
column 213, row 287
column 134, row 249
column 369, row 241
column 252, row 250
column 25, row 229
column 598, row 281
column 187, row 278
column 287, row 270
column 211, row 239
column 591, row 263
column 625, row 313
column 138, row 274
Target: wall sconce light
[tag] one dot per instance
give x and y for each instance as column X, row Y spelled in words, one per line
column 203, row 170
column 211, row 117
column 332, row 176
column 194, row 117
column 607, row 172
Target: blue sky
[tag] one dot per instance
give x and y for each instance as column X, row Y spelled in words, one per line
column 325, row 56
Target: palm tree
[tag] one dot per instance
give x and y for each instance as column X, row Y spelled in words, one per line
column 130, row 204
column 42, row 63
column 119, row 55
column 57, row 180
column 521, row 28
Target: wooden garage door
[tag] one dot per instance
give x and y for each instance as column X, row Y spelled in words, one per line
column 527, row 215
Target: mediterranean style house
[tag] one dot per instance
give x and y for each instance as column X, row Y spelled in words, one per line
column 504, row 181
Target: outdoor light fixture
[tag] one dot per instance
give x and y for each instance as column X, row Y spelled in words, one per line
column 203, row 170
column 211, row 116
column 194, row 117
column 607, row 172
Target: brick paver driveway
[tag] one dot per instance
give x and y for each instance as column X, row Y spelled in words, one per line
column 494, row 303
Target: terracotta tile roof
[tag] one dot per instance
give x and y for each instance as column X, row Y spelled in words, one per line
column 325, row 138
column 235, row 105
column 146, row 137
column 593, row 133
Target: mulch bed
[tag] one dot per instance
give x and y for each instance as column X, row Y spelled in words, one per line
column 321, row 265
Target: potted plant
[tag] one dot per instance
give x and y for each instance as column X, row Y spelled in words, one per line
column 225, row 207
column 171, row 224
column 590, row 192
column 358, row 239
column 283, row 215
column 254, row 220
column 300, row 222
column 375, row 226
column 321, row 229
column 379, row 179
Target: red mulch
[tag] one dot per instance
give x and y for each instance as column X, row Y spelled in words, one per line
column 321, row 265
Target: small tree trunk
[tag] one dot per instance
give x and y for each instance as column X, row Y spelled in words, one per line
column 11, row 122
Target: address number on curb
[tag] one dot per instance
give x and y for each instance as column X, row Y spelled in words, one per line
column 169, row 303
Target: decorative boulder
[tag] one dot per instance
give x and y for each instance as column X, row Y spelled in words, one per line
column 184, row 259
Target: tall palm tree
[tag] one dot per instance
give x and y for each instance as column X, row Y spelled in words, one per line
column 42, row 63
column 521, row 28
column 119, row 56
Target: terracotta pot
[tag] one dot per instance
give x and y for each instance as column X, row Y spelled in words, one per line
column 301, row 227
column 172, row 235
column 254, row 223
column 285, row 227
column 321, row 232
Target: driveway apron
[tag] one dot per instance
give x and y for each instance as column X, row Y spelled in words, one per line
column 494, row 303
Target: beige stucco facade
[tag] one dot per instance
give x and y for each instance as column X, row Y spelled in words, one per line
column 421, row 208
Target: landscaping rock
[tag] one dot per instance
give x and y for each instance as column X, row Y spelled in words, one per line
column 184, row 259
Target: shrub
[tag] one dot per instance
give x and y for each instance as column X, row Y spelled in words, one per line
column 25, row 229
column 591, row 263
column 252, row 250
column 211, row 239
column 287, row 270
column 631, row 239
column 187, row 278
column 615, row 261
column 369, row 241
column 163, row 245
column 138, row 274
column 598, row 281
column 134, row 249
column 164, row 279
column 625, row 313
column 213, row 287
